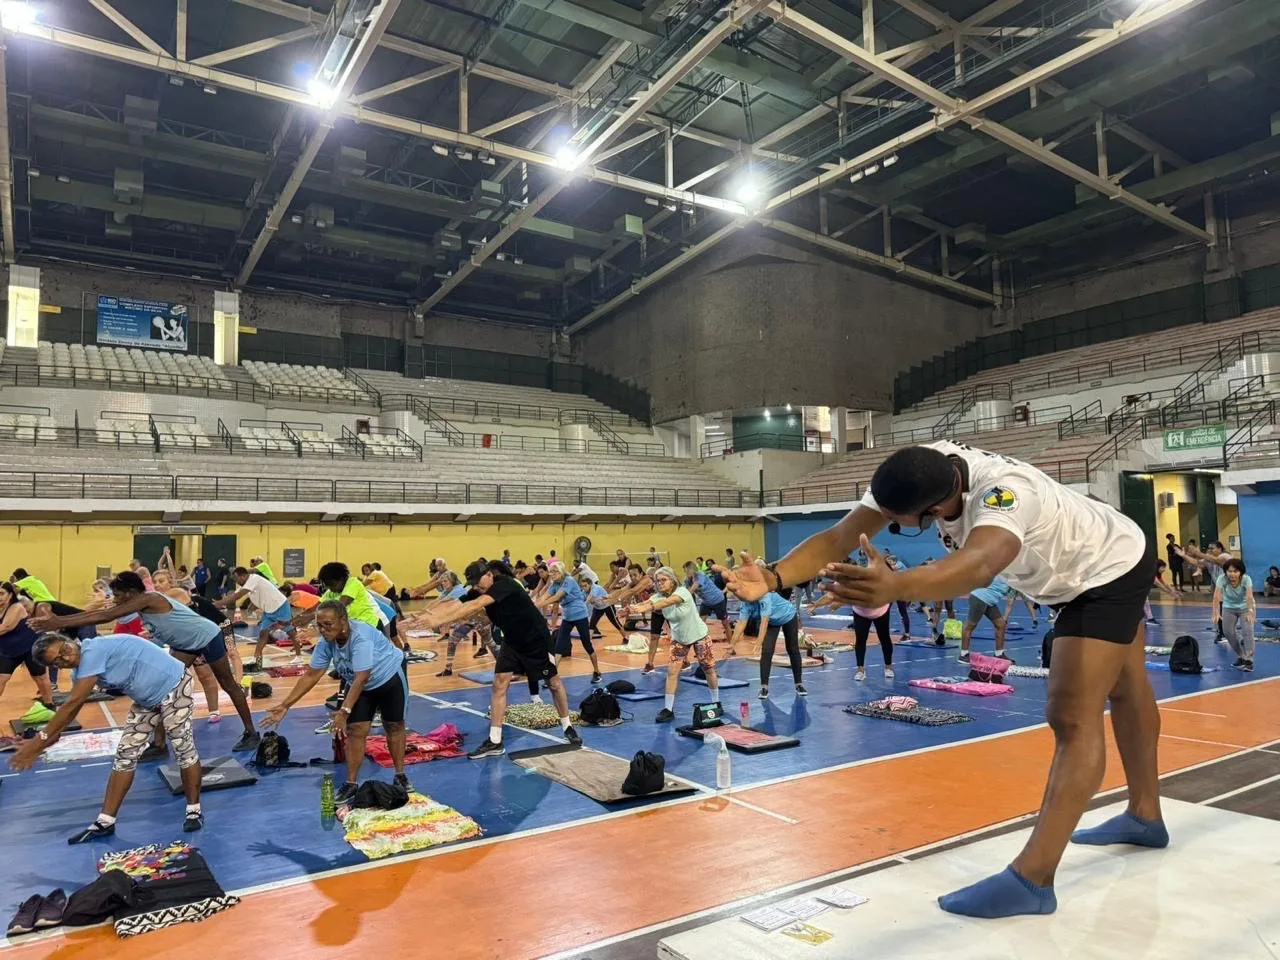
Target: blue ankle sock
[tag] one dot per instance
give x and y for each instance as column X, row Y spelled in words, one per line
column 1125, row 828
column 1006, row 894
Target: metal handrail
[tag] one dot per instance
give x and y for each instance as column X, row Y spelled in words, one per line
column 596, row 423
column 1003, row 421
column 364, row 385
column 519, row 441
column 1247, row 434
column 752, row 441
column 1077, row 418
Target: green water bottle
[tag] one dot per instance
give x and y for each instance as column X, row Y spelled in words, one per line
column 327, row 807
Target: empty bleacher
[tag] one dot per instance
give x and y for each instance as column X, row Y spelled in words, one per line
column 1136, row 358
column 311, row 383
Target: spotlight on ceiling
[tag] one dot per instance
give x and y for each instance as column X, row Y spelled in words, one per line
column 322, row 94
column 17, row 15
column 567, row 157
column 749, row 191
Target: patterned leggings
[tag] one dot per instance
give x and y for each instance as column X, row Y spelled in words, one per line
column 175, row 713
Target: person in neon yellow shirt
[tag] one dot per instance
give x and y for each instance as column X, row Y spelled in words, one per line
column 33, row 586
column 260, row 565
column 340, row 585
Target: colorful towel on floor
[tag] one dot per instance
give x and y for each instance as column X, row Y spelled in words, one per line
column 84, row 746
column 289, row 670
column 442, row 743
column 908, row 710
column 969, row 688
column 535, row 716
column 636, row 643
column 175, row 885
column 1157, row 651
column 418, row 825
column 832, row 647
column 420, row 634
column 1016, row 671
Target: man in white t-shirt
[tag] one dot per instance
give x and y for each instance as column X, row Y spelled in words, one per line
column 274, row 606
column 999, row 516
column 582, row 570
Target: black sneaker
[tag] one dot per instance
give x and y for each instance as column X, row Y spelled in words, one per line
column 24, row 921
column 402, row 780
column 153, row 752
column 801, row 691
column 1247, row 666
column 963, row 657
column 764, row 692
column 446, row 672
column 346, row 793
column 251, row 666
column 487, row 749
column 648, row 669
column 193, row 821
column 334, row 702
column 595, row 677
column 1001, row 655
column 597, row 635
column 482, row 652
column 940, row 641
column 94, row 831
column 572, row 736
column 1239, row 660
column 51, row 909
column 664, row 716
column 249, row 740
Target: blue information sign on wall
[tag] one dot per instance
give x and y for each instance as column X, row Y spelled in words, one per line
column 147, row 324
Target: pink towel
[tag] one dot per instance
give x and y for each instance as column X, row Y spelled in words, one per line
column 969, row 687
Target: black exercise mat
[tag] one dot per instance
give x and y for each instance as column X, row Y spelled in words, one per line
column 20, row 728
column 216, row 773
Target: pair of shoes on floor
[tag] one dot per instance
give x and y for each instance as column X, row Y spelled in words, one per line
column 39, row 913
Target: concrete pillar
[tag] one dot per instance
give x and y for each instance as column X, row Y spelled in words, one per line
column 23, row 328
column 839, row 429
column 697, row 435
column 226, row 328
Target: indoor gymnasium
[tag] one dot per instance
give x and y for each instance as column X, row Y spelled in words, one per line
column 633, row 479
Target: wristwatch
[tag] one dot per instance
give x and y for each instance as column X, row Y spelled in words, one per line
column 345, row 709
column 42, row 735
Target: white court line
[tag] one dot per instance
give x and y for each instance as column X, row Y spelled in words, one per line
column 1198, row 713
column 767, row 813
column 107, row 713
column 1239, row 790
column 1212, row 743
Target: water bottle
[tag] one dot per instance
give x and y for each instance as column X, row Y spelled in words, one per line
column 744, row 712
column 327, row 807
column 724, row 772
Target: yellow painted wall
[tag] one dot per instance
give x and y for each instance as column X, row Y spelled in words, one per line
column 1228, row 523
column 66, row 557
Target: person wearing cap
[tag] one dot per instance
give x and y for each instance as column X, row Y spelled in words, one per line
column 998, row 516
column 526, row 646
column 688, row 635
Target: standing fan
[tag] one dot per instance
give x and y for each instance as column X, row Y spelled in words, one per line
column 581, row 547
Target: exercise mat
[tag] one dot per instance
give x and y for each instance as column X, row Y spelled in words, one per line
column 477, row 676
column 639, row 695
column 20, row 727
column 742, row 739
column 782, row 660
column 216, row 773
column 726, row 683
column 925, row 716
column 593, row 774
column 925, row 642
column 84, row 746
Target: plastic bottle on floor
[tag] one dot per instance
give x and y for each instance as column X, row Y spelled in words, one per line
column 327, row 806
column 724, row 764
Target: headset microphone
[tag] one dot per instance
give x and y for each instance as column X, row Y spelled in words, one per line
column 895, row 528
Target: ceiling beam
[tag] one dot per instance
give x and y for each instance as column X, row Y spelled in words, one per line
column 968, row 112
column 368, row 42
column 255, row 46
column 7, row 232
column 128, row 26
column 180, row 31
column 518, row 118
column 361, row 114
column 404, row 83
column 737, row 12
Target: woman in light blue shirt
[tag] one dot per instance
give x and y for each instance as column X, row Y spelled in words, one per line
column 776, row 615
column 565, row 593
column 688, row 635
column 1238, row 611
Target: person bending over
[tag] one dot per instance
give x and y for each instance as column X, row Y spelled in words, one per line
column 999, row 516
column 711, row 600
column 17, row 636
column 1234, row 602
column 990, row 602
column 276, row 611
column 372, row 672
column 526, row 647
column 688, row 636
column 188, row 636
column 160, row 689
column 601, row 607
column 776, row 615
column 641, row 588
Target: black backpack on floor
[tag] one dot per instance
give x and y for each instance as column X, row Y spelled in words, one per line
column 273, row 753
column 1185, row 656
column 600, row 706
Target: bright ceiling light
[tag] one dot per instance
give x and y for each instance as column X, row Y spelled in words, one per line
column 322, row 95
column 890, row 160
column 16, row 14
column 856, row 176
column 567, row 157
column 749, row 191
column 874, row 168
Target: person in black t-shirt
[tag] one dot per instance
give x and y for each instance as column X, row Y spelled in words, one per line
column 526, row 644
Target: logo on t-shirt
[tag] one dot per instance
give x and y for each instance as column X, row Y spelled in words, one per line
column 1000, row 498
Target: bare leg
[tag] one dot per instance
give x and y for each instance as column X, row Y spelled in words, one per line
column 1135, row 720
column 395, row 744
column 226, row 679
column 209, row 684
column 559, row 697
column 118, row 785
column 357, row 734
column 192, row 778
column 498, row 700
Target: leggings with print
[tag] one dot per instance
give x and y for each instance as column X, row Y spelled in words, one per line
column 174, row 712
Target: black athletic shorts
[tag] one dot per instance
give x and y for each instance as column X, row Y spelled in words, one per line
column 656, row 620
column 720, row 610
column 536, row 665
column 1113, row 611
column 388, row 699
column 9, row 665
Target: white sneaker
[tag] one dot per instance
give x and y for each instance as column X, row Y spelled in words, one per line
column 860, row 675
column 888, row 673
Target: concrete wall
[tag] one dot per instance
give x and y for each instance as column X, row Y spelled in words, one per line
column 762, row 323
column 76, row 287
column 780, row 467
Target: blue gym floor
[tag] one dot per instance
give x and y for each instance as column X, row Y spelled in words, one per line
column 272, row 831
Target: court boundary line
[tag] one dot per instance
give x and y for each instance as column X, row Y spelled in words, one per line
column 286, row 883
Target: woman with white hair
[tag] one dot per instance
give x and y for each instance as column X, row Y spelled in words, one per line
column 565, row 593
column 688, row 635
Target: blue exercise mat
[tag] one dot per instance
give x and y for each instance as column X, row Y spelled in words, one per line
column 1161, row 665
column 477, row 676
column 726, row 683
column 641, row 695
column 920, row 642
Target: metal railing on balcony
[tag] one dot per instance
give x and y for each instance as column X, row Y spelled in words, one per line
column 1255, row 439
column 752, row 441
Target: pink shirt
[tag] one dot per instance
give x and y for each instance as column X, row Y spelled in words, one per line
column 871, row 613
